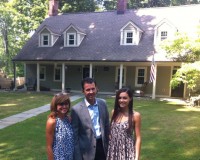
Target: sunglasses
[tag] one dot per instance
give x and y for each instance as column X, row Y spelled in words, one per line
column 64, row 104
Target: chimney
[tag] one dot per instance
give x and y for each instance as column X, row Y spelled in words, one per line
column 121, row 6
column 53, row 7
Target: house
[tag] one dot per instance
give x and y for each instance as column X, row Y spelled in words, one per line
column 114, row 47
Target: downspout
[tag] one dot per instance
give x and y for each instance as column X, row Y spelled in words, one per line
column 120, row 77
column 63, row 77
column 154, row 84
column 90, row 70
column 38, row 77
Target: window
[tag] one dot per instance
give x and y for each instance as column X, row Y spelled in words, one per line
column 45, row 39
column 57, row 74
column 71, row 39
column 129, row 37
column 163, row 35
column 140, row 76
column 42, row 73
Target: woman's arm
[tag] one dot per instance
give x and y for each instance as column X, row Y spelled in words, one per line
column 50, row 127
column 137, row 122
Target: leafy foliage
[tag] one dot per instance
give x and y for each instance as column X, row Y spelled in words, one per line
column 111, row 4
column 77, row 5
column 189, row 74
column 185, row 49
column 17, row 20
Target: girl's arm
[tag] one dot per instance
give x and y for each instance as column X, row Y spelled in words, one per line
column 137, row 122
column 50, row 127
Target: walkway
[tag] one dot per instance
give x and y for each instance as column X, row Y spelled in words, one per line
column 28, row 114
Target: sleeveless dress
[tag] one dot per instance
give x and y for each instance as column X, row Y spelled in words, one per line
column 63, row 144
column 121, row 145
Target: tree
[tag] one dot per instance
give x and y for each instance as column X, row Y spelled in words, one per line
column 77, row 5
column 111, row 4
column 17, row 20
column 187, row 50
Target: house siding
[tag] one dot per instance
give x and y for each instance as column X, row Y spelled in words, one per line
column 31, row 71
column 73, row 77
column 163, row 81
column 105, row 79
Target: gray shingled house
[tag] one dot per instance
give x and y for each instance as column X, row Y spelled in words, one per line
column 114, row 47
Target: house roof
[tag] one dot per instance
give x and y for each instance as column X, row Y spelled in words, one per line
column 102, row 42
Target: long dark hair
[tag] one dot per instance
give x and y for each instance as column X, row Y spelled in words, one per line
column 130, row 109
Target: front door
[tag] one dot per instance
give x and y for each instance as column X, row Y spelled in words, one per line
column 178, row 90
column 86, row 72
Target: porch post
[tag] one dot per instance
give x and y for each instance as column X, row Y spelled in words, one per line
column 154, row 84
column 90, row 70
column 25, row 87
column 63, row 77
column 38, row 77
column 120, row 76
column 14, row 81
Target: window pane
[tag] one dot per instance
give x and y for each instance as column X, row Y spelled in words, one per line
column 129, row 40
column 42, row 73
column 163, row 35
column 129, row 34
column 71, row 41
column 57, row 74
column 141, row 72
column 140, row 80
column 45, row 40
column 140, row 76
column 71, row 36
column 129, row 37
column 41, row 76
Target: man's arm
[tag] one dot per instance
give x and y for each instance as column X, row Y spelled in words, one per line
column 75, row 126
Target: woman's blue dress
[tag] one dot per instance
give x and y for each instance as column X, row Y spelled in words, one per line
column 63, row 144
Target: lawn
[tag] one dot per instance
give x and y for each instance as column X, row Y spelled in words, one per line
column 12, row 103
column 169, row 132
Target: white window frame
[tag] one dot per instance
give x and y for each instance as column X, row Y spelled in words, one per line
column 42, row 40
column 54, row 75
column 163, row 35
column 68, row 39
column 136, row 75
column 126, row 37
column 43, row 69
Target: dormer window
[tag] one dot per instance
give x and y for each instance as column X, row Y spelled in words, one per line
column 73, row 36
column 162, row 31
column 71, row 39
column 163, row 35
column 130, row 34
column 45, row 39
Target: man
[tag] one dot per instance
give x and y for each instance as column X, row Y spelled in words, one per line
column 90, row 122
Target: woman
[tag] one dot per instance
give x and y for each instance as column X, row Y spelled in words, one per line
column 125, row 138
column 59, row 134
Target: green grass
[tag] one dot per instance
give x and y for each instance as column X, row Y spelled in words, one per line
column 169, row 132
column 13, row 103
